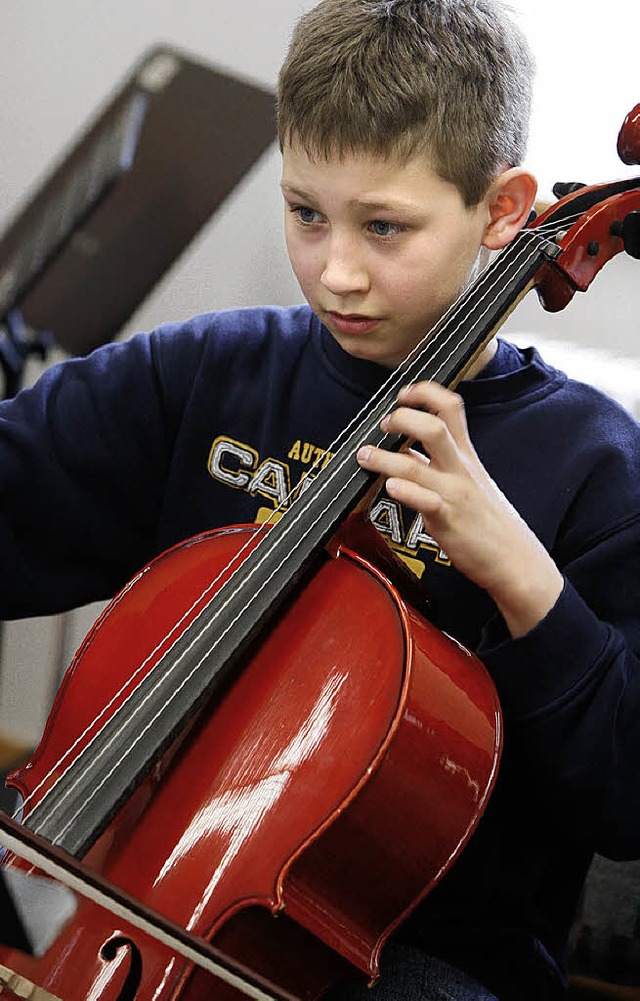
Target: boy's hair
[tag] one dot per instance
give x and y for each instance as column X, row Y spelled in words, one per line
column 449, row 79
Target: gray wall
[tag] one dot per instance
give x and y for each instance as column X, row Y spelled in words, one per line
column 61, row 61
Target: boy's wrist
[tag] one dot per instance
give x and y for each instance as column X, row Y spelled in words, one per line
column 529, row 594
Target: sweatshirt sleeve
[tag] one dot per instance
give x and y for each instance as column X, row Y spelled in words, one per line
column 570, row 691
column 83, row 455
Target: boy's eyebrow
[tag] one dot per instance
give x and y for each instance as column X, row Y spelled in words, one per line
column 393, row 205
column 295, row 191
column 371, row 205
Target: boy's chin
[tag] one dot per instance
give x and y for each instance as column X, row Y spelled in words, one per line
column 368, row 351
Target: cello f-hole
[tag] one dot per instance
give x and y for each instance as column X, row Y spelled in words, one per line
column 109, row 953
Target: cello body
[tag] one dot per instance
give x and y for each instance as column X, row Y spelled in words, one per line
column 310, row 805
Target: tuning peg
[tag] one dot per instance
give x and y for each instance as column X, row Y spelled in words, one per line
column 629, row 229
column 562, row 188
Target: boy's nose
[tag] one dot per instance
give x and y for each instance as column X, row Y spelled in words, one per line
column 343, row 271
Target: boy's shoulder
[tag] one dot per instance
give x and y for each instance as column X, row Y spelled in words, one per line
column 243, row 327
column 603, row 415
column 524, row 404
column 232, row 341
column 521, row 376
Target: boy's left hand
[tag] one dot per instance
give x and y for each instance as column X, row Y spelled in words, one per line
column 461, row 506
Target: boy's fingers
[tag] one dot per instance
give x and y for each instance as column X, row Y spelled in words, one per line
column 410, row 465
column 428, row 428
column 441, row 402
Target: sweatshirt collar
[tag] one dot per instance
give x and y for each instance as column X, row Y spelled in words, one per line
column 511, row 374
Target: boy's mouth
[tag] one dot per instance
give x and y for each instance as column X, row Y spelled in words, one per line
column 353, row 323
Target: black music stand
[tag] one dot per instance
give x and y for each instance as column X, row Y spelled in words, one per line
column 107, row 223
column 39, row 239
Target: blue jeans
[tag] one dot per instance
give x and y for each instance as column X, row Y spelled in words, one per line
column 410, row 975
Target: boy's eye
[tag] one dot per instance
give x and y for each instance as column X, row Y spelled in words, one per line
column 305, row 214
column 382, row 228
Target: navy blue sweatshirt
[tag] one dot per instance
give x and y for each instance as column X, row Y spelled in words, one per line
column 111, row 459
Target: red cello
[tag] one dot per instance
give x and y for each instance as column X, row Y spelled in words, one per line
column 278, row 727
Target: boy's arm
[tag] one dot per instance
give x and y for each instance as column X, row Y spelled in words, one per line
column 569, row 683
column 80, row 459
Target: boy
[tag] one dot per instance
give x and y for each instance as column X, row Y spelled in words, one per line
column 402, row 127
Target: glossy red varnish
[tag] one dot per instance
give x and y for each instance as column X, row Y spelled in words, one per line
column 629, row 137
column 332, row 784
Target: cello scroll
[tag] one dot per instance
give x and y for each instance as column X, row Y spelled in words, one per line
column 591, row 225
column 629, row 138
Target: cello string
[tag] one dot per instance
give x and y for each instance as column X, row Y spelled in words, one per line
column 290, row 525
column 129, row 681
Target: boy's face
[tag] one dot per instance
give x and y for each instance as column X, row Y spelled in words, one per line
column 380, row 248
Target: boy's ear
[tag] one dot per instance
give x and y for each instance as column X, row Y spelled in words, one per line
column 509, row 202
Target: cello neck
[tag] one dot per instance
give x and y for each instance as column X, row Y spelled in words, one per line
column 203, row 657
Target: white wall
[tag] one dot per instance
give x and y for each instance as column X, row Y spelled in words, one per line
column 61, row 60
column 587, row 83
